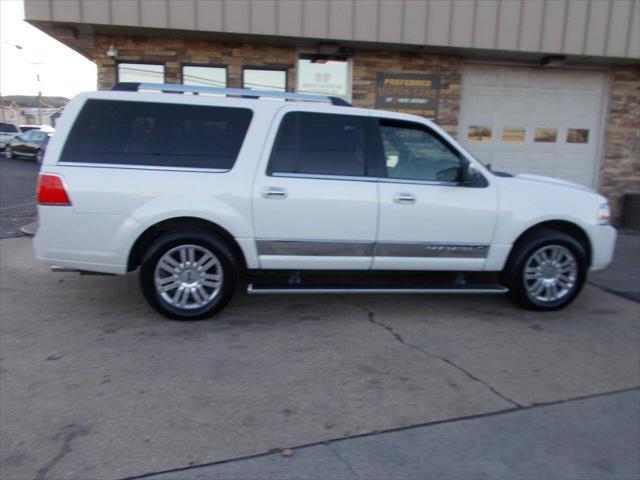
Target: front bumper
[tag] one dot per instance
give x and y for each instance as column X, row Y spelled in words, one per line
column 603, row 244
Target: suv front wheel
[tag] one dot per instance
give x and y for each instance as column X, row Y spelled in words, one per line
column 546, row 270
column 188, row 275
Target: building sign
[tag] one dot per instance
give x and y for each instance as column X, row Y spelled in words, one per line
column 328, row 77
column 409, row 93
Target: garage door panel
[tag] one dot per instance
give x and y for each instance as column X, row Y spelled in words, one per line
column 559, row 111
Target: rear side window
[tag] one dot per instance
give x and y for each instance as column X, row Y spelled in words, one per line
column 8, row 127
column 319, row 143
column 157, row 134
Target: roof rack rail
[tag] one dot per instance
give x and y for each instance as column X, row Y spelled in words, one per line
column 234, row 92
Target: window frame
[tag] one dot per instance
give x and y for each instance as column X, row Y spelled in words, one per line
column 209, row 65
column 272, row 69
column 120, row 62
column 370, row 151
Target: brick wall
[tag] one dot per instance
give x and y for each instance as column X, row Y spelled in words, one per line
column 621, row 167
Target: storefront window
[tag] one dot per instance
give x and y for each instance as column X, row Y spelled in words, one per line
column 323, row 75
column 140, row 72
column 264, row 79
column 204, row 76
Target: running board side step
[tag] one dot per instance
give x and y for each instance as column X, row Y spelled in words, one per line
column 257, row 289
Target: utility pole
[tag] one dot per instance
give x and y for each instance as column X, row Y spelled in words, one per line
column 39, row 100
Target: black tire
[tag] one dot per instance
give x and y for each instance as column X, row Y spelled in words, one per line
column 513, row 275
column 199, row 238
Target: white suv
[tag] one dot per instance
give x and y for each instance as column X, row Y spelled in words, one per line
column 204, row 188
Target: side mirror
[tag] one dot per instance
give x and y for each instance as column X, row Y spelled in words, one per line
column 469, row 174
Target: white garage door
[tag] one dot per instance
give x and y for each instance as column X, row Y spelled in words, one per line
column 545, row 122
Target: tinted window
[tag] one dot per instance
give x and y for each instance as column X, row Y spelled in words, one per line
column 159, row 134
column 8, row 127
column 320, row 143
column 412, row 152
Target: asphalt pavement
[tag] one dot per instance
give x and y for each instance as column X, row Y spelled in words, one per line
column 18, row 179
column 95, row 385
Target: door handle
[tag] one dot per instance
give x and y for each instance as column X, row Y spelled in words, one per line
column 274, row 193
column 404, row 198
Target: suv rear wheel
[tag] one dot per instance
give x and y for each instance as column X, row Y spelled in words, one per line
column 188, row 275
column 546, row 271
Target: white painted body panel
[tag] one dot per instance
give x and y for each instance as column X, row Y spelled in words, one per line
column 112, row 206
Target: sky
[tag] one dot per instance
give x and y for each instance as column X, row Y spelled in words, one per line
column 63, row 71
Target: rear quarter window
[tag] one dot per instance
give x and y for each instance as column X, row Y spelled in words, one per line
column 157, row 134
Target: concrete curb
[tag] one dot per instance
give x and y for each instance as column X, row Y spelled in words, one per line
column 29, row 229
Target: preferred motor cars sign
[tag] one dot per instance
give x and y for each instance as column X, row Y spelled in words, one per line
column 409, row 93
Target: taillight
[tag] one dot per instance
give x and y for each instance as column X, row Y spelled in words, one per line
column 51, row 190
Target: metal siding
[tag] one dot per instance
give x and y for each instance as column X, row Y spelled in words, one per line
column 237, row 16
column 486, row 22
column 366, row 20
column 182, row 14
column 415, row 22
column 154, row 13
column 390, row 22
column 617, row 40
column 263, row 17
column 633, row 43
column 462, row 24
column 208, row 15
column 66, row 11
column 37, row 10
column 583, row 27
column 289, row 18
column 315, row 19
column 439, row 22
column 508, row 25
column 125, row 13
column 340, row 19
column 597, row 27
column 576, row 26
column 553, row 25
column 96, row 12
column 531, row 28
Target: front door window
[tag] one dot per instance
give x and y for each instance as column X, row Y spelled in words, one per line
column 414, row 153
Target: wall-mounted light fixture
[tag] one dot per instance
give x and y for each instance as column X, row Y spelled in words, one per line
column 112, row 51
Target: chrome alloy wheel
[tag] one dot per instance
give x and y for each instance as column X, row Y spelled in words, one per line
column 550, row 273
column 188, row 277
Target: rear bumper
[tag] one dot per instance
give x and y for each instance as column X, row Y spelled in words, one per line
column 83, row 242
column 603, row 243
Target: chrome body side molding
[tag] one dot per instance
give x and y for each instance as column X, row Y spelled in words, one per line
column 368, row 249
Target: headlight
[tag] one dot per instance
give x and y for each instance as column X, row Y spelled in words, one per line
column 604, row 214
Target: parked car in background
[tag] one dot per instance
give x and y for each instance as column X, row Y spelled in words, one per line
column 8, row 130
column 31, row 144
